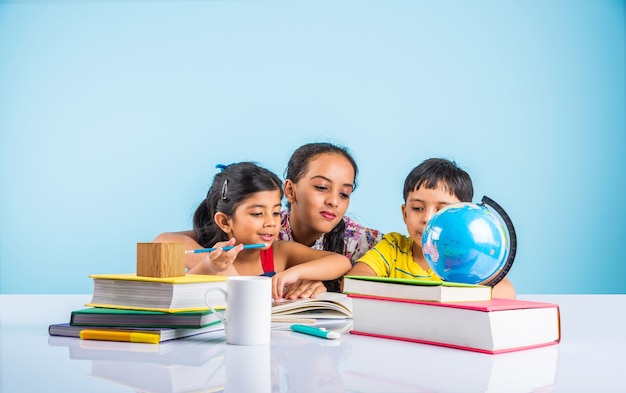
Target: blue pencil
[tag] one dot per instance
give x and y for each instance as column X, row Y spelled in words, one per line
column 245, row 247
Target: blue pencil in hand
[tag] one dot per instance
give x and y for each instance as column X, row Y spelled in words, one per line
column 245, row 247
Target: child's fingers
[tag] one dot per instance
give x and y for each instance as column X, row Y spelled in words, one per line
column 304, row 289
column 275, row 284
column 297, row 289
column 294, row 290
column 223, row 260
column 321, row 288
column 274, row 288
column 220, row 245
column 235, row 250
column 280, row 286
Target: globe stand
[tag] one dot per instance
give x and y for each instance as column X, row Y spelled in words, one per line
column 512, row 238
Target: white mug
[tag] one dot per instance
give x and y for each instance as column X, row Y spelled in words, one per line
column 248, row 310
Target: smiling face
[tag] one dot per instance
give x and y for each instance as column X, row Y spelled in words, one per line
column 421, row 205
column 321, row 196
column 256, row 219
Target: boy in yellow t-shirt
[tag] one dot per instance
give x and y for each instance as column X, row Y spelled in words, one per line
column 430, row 186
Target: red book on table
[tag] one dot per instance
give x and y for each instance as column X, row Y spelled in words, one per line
column 492, row 326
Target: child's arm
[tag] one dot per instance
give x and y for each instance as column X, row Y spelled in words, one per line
column 188, row 239
column 361, row 269
column 504, row 289
column 294, row 261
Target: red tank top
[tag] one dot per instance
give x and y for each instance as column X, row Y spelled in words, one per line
column 267, row 260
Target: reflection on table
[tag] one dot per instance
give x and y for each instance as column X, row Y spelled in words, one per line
column 295, row 362
column 589, row 358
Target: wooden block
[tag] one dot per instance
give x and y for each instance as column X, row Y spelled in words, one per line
column 160, row 259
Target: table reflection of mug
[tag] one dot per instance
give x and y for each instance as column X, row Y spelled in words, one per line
column 313, row 368
column 248, row 369
column 303, row 363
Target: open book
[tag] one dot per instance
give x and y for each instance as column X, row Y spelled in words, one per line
column 327, row 305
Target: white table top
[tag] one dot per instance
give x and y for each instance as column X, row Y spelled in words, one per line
column 590, row 358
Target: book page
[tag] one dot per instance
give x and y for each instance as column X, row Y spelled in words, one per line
column 325, row 305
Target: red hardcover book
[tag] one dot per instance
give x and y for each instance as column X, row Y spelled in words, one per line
column 491, row 326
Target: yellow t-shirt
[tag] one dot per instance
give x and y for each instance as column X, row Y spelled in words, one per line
column 393, row 257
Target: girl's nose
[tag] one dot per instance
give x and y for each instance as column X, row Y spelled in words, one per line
column 272, row 222
column 331, row 200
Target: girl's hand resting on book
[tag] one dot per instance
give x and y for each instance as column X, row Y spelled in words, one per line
column 281, row 281
column 219, row 262
column 304, row 289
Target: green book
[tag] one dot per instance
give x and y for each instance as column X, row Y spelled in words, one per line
column 415, row 289
column 113, row 317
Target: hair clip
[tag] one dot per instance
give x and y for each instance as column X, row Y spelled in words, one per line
column 221, row 167
column 225, row 191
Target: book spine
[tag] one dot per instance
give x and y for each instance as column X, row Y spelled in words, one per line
column 442, row 344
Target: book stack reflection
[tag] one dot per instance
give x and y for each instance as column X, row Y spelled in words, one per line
column 165, row 368
column 450, row 370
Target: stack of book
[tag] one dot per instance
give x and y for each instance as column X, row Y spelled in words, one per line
column 448, row 314
column 128, row 307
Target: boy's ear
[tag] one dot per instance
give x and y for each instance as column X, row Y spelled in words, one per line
column 403, row 213
column 222, row 221
column 290, row 191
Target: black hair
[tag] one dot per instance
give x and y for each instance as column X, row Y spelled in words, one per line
column 297, row 167
column 302, row 156
column 235, row 183
column 440, row 172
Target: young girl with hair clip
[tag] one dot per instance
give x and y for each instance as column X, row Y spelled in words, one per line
column 243, row 207
column 319, row 181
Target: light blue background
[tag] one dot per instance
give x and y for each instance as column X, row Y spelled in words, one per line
column 114, row 114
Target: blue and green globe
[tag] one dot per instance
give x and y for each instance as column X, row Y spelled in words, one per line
column 468, row 243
